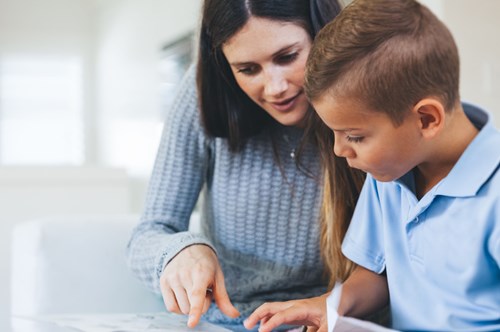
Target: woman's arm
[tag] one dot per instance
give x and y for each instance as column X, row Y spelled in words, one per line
column 174, row 186
column 164, row 255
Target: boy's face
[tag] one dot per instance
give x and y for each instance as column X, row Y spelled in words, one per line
column 369, row 140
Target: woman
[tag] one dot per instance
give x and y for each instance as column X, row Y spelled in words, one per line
column 248, row 146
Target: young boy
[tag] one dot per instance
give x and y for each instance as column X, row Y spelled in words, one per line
column 384, row 77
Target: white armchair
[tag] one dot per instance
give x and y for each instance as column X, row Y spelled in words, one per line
column 76, row 265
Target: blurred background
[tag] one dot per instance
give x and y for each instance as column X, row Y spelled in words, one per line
column 84, row 85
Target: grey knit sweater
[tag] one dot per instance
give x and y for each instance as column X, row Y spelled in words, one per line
column 262, row 222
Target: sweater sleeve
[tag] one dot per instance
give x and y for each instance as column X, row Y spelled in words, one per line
column 180, row 170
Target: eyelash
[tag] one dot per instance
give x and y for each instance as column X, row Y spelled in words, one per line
column 355, row 139
column 246, row 70
column 288, row 58
column 283, row 60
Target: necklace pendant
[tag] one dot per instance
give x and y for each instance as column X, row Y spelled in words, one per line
column 287, row 140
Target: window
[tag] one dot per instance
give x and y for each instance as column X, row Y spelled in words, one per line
column 41, row 120
column 132, row 139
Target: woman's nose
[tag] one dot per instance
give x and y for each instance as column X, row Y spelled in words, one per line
column 275, row 84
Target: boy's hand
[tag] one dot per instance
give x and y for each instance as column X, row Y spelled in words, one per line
column 310, row 312
column 191, row 280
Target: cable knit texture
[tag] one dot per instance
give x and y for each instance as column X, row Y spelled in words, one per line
column 262, row 223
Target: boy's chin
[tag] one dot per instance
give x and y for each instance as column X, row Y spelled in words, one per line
column 383, row 177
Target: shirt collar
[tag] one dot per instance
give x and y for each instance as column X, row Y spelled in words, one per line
column 479, row 160
column 476, row 164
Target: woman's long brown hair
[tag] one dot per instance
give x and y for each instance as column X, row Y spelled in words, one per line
column 341, row 188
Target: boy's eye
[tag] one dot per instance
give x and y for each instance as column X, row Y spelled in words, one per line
column 354, row 139
column 287, row 58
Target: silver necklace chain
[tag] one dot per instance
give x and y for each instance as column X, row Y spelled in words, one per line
column 287, row 140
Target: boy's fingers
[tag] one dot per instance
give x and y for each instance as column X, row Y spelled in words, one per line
column 252, row 320
column 264, row 312
column 292, row 315
column 273, row 322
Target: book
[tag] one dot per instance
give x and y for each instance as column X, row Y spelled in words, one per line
column 338, row 323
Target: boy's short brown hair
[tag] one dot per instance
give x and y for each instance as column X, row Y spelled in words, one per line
column 389, row 54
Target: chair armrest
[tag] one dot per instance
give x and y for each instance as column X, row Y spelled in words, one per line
column 76, row 265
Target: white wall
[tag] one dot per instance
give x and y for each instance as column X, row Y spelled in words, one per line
column 131, row 36
column 119, row 43
column 52, row 29
column 124, row 38
column 48, row 29
column 475, row 27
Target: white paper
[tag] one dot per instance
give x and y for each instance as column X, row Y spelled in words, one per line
column 332, row 304
column 349, row 324
column 155, row 322
column 338, row 323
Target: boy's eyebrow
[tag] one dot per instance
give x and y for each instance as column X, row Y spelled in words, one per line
column 281, row 50
column 345, row 129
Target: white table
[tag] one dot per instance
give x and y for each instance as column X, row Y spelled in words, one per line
column 147, row 322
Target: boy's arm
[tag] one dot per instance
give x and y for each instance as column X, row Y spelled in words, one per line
column 309, row 312
column 363, row 293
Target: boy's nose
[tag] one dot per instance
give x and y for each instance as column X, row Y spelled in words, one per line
column 342, row 150
column 337, row 149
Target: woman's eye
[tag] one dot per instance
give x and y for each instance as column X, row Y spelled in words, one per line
column 247, row 70
column 354, row 139
column 288, row 58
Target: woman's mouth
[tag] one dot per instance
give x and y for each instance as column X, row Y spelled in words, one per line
column 285, row 105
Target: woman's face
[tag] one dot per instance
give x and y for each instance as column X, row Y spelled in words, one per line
column 268, row 61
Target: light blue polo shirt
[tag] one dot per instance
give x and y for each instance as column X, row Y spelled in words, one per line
column 442, row 253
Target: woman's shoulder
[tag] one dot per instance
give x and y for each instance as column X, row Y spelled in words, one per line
column 187, row 96
column 185, row 107
column 182, row 123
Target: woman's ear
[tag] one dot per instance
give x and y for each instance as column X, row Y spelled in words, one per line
column 431, row 115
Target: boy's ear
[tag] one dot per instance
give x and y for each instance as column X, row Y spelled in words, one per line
column 431, row 114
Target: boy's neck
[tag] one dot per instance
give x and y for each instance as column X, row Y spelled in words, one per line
column 445, row 151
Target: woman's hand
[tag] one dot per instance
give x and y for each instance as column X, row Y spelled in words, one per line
column 191, row 280
column 310, row 312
